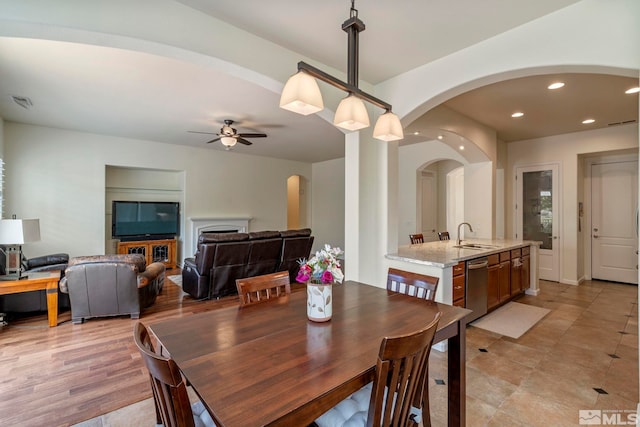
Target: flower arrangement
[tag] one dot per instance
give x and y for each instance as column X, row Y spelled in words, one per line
column 323, row 267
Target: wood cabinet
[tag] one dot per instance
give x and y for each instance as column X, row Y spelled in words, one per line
column 458, row 284
column 504, row 276
column 163, row 251
column 508, row 276
column 493, row 281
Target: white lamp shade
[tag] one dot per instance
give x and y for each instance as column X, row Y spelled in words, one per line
column 228, row 141
column 351, row 114
column 301, row 95
column 388, row 128
column 19, row 231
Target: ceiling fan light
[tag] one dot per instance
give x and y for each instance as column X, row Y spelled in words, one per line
column 301, row 95
column 351, row 114
column 228, row 141
column 388, row 128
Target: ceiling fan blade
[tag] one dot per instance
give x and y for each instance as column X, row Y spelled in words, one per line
column 206, row 133
column 213, row 140
column 252, row 135
column 243, row 141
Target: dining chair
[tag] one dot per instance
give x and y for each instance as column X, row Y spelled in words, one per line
column 398, row 395
column 416, row 238
column 173, row 408
column 257, row 289
column 443, row 235
column 413, row 284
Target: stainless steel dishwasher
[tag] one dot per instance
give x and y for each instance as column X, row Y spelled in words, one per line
column 476, row 291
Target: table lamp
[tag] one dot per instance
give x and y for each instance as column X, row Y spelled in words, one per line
column 13, row 234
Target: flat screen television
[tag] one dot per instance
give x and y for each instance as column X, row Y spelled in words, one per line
column 132, row 220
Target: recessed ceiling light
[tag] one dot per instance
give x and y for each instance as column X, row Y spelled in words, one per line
column 416, row 133
column 556, row 85
column 517, row 114
column 632, row 90
column 461, row 147
column 441, row 137
column 588, row 121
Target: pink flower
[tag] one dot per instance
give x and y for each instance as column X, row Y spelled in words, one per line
column 302, row 277
column 327, row 277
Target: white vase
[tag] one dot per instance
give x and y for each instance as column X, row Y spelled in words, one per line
column 319, row 301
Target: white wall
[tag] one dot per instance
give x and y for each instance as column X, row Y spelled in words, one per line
column 1, row 172
column 59, row 176
column 411, row 158
column 565, row 150
column 327, row 203
column 478, row 199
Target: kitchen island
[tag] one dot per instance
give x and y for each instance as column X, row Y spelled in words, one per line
column 512, row 267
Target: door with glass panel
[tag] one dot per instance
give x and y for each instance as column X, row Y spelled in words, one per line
column 537, row 213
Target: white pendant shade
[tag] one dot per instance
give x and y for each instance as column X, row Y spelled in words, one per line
column 388, row 128
column 351, row 114
column 228, row 141
column 301, row 95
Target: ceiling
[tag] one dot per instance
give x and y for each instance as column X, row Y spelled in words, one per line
column 131, row 94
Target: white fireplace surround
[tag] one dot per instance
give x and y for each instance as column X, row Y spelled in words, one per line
column 199, row 225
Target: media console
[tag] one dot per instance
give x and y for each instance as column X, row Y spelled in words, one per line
column 163, row 251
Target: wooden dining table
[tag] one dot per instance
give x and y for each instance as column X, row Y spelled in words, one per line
column 267, row 365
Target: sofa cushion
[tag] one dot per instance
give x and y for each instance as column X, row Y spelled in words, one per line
column 136, row 259
column 303, row 232
column 222, row 237
column 255, row 235
column 47, row 260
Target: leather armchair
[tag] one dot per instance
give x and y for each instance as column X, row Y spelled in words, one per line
column 111, row 285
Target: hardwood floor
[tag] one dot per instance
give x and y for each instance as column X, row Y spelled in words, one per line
column 63, row 375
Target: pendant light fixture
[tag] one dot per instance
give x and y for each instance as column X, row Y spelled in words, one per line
column 302, row 95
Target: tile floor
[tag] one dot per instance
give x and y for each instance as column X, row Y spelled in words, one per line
column 588, row 342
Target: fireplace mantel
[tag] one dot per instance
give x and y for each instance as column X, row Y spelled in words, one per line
column 201, row 224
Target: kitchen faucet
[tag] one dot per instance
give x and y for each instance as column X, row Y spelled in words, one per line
column 460, row 225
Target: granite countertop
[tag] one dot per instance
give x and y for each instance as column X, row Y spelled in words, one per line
column 444, row 253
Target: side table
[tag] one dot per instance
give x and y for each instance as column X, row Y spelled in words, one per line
column 35, row 282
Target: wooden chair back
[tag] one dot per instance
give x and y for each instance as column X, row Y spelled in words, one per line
column 444, row 235
column 413, row 284
column 401, row 372
column 416, row 238
column 257, row 289
column 169, row 389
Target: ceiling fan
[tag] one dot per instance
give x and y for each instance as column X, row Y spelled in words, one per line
column 228, row 136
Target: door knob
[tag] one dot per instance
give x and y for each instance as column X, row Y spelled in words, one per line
column 595, row 229
column 595, row 236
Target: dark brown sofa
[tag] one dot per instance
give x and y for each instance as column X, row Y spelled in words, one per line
column 222, row 258
column 111, row 285
column 36, row 301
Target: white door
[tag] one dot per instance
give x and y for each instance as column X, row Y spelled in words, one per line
column 429, row 209
column 537, row 214
column 455, row 200
column 614, row 221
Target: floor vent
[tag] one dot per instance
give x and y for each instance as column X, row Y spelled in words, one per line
column 626, row 122
column 22, row 101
